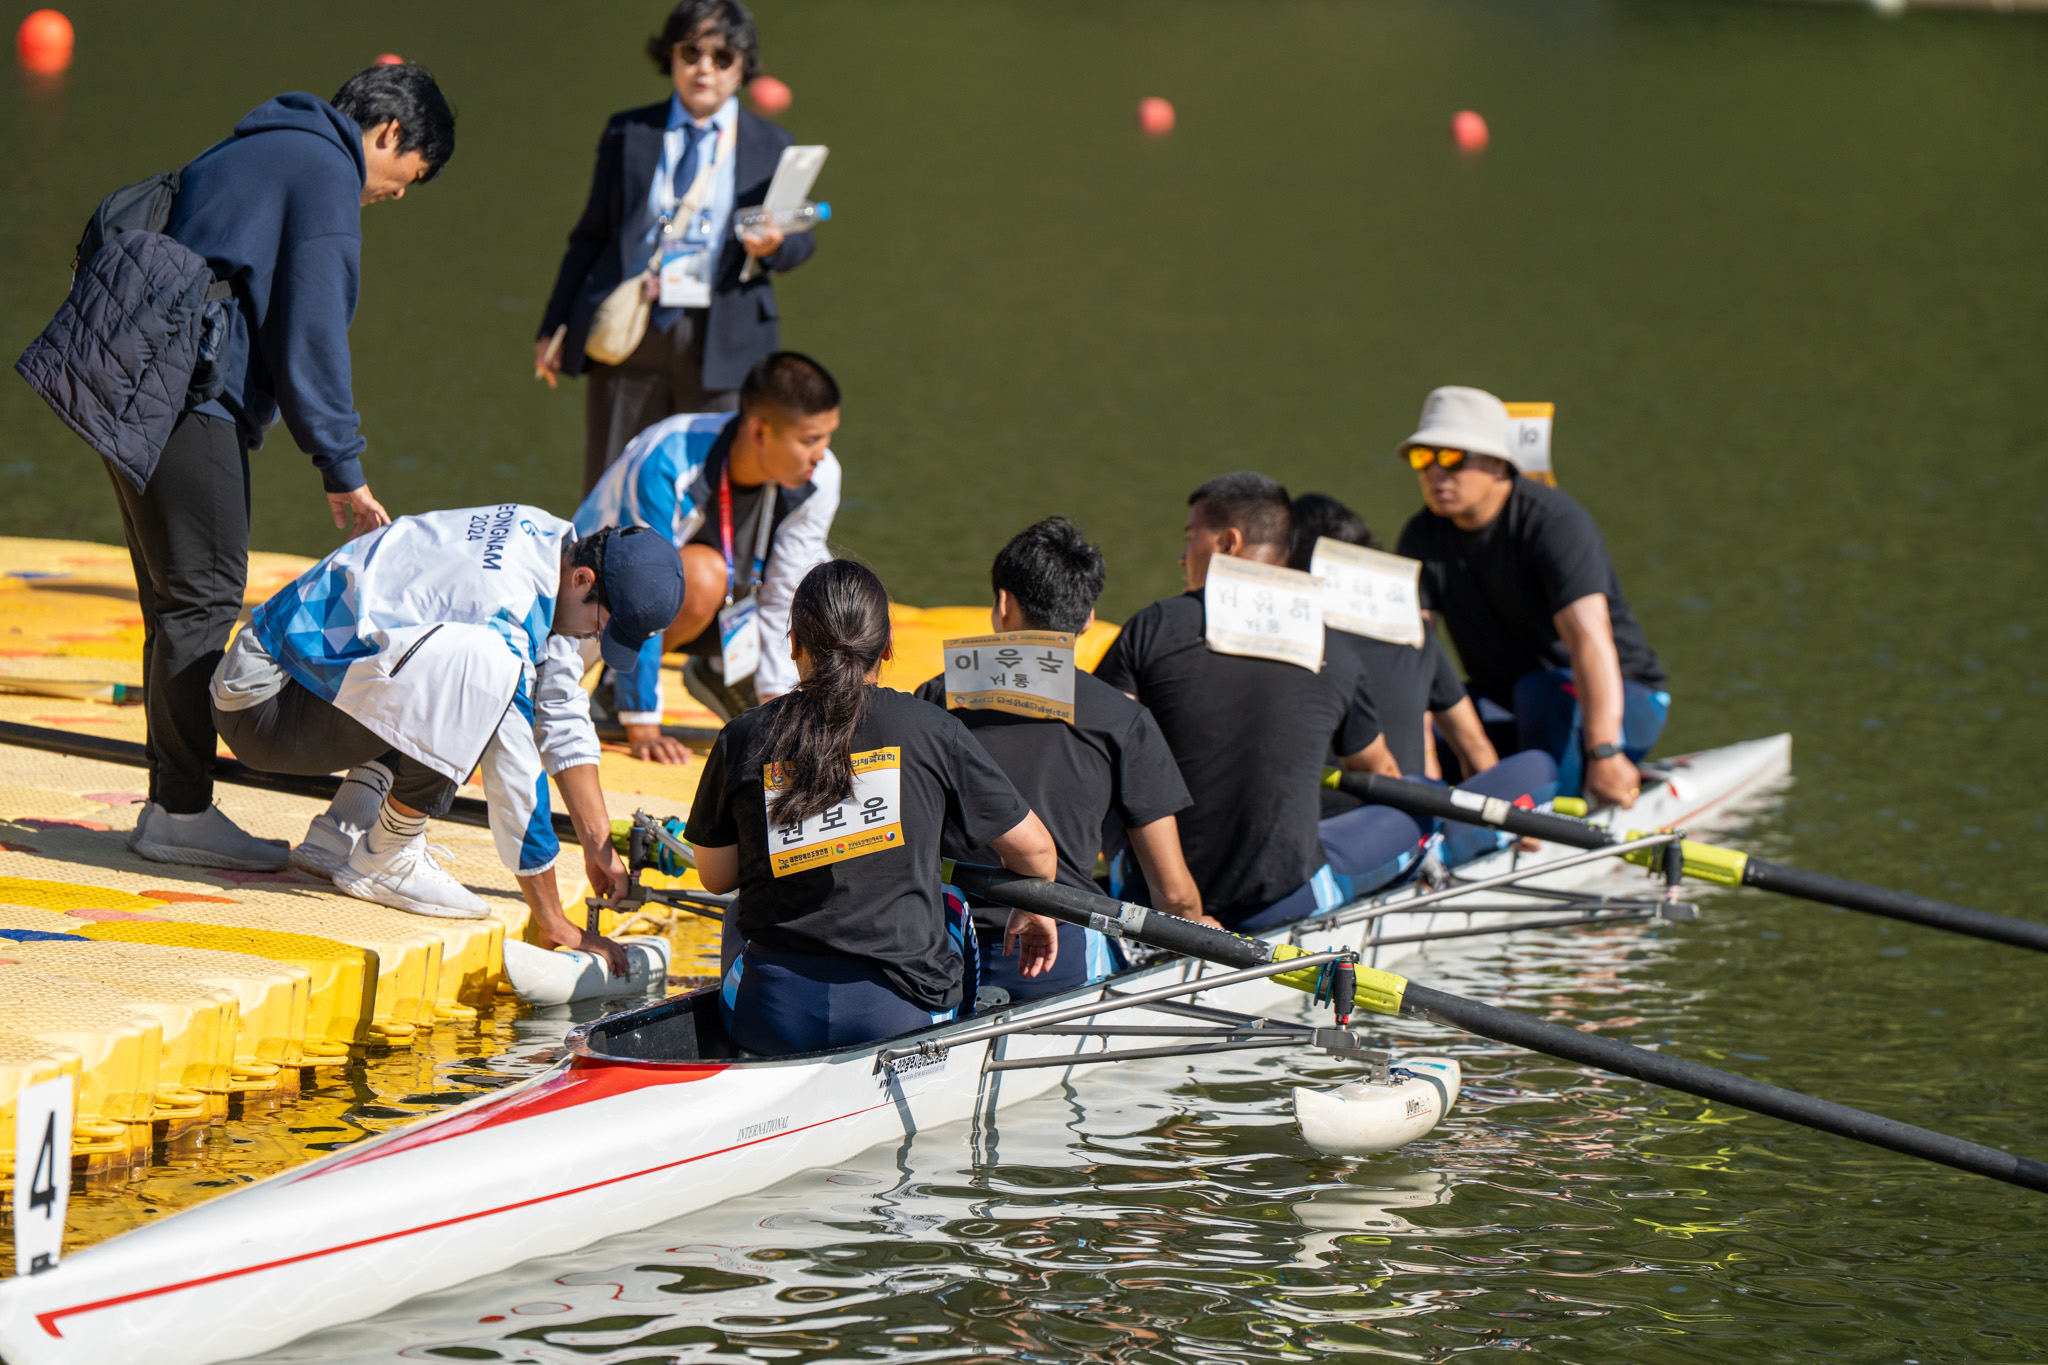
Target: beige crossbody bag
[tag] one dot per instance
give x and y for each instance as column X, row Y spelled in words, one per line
column 620, row 323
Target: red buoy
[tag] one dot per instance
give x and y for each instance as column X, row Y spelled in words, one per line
column 769, row 95
column 1155, row 116
column 43, row 42
column 388, row 59
column 1468, row 130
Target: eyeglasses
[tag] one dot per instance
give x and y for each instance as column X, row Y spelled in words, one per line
column 1422, row 457
column 689, row 54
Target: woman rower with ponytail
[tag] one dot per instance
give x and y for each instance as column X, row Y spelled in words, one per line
column 825, row 808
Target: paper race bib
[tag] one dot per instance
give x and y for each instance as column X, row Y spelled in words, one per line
column 1531, row 435
column 1025, row 672
column 739, row 638
column 1370, row 593
column 1264, row 611
column 685, row 280
column 870, row 821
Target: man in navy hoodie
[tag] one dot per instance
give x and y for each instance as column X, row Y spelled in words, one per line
column 276, row 211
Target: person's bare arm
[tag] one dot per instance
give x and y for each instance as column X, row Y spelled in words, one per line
column 1465, row 734
column 1027, row 850
column 1373, row 758
column 719, row 868
column 1157, row 848
column 544, row 900
column 1588, row 633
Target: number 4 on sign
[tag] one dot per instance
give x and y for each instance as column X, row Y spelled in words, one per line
column 42, row 1173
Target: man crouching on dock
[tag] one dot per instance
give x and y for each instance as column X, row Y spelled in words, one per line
column 439, row 645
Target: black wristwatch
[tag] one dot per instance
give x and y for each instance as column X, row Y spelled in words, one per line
column 1600, row 751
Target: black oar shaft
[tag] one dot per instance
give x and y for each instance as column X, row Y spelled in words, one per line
column 1675, row 1073
column 1448, row 803
column 1075, row 906
column 1900, row 905
column 466, row 810
column 1706, row 861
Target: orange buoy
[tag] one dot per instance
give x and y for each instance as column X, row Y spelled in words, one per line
column 769, row 95
column 43, row 42
column 1468, row 130
column 388, row 59
column 1155, row 115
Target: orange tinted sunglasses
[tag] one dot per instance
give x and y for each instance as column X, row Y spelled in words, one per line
column 1422, row 457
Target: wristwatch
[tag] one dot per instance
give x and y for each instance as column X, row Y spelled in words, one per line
column 1600, row 751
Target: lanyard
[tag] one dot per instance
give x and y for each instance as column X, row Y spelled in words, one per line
column 763, row 519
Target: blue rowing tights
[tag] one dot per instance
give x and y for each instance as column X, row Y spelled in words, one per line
column 781, row 1004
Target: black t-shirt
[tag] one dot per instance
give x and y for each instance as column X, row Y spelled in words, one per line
column 882, row 905
column 1404, row 683
column 1112, row 759
column 1498, row 588
column 1250, row 736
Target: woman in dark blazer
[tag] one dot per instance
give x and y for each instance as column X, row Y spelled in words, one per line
column 693, row 358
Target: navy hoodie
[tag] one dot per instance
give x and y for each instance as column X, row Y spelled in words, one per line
column 277, row 210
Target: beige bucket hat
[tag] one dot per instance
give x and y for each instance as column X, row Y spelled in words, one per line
column 1471, row 420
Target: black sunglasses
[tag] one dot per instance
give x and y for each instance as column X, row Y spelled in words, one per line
column 722, row 58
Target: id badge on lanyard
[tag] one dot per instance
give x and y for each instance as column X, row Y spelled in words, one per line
column 685, row 266
column 739, row 634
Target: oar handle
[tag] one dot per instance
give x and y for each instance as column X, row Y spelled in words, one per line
column 1448, row 803
column 1658, row 1068
column 1376, row 990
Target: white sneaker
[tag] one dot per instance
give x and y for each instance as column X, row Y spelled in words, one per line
column 212, row 840
column 407, row 878
column 325, row 848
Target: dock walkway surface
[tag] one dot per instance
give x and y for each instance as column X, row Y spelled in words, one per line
column 219, row 1026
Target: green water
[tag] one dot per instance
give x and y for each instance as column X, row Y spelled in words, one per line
column 1778, row 266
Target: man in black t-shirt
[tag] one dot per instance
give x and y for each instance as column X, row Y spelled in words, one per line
column 1111, row 761
column 1519, row 572
column 1409, row 687
column 1250, row 734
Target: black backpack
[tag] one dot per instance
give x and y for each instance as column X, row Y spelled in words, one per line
column 145, row 206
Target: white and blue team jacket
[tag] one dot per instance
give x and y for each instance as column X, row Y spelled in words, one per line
column 435, row 633
column 667, row 479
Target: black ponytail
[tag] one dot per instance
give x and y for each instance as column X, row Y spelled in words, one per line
column 840, row 619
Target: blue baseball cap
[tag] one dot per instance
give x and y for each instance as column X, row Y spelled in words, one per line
column 642, row 579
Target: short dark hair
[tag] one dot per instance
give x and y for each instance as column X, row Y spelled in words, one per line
column 1319, row 514
column 587, row 552
column 406, row 92
column 791, row 382
column 727, row 18
column 1053, row 572
column 1252, row 503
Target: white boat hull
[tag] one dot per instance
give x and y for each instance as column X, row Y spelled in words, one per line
column 589, row 1150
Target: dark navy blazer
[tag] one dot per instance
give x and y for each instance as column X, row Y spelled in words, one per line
column 742, row 324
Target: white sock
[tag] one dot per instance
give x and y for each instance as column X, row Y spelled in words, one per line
column 362, row 793
column 392, row 829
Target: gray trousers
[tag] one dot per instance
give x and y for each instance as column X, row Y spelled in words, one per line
column 297, row 732
column 188, row 539
column 663, row 377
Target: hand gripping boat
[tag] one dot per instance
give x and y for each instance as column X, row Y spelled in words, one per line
column 651, row 1116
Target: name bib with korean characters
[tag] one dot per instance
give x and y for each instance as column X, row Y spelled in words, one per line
column 1025, row 672
column 869, row 821
column 1264, row 611
column 1368, row 592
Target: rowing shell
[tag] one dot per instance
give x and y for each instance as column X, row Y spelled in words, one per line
column 619, row 1137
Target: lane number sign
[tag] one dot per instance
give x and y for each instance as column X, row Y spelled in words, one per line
column 42, row 1173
